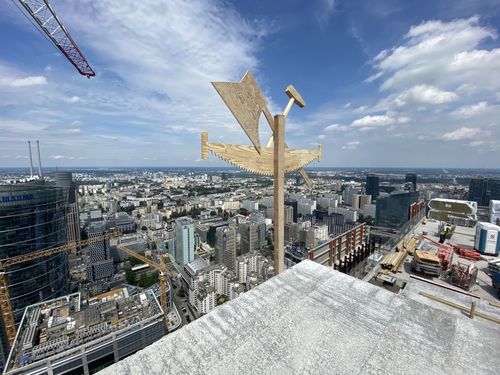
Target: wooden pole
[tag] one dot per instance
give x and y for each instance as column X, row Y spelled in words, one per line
column 279, row 194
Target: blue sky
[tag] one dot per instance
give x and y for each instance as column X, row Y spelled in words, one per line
column 387, row 83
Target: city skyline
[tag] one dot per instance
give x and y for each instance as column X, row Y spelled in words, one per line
column 408, row 86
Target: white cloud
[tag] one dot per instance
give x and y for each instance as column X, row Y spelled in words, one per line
column 72, row 99
column 379, row 121
column 425, row 94
column 471, row 110
column 321, row 136
column 28, row 81
column 461, row 134
column 57, row 157
column 336, row 127
column 477, row 143
column 351, row 145
column 440, row 53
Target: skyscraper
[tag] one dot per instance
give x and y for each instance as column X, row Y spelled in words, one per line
column 372, row 185
column 32, row 218
column 477, row 189
column 249, row 237
column 394, row 210
column 184, row 241
column 65, row 181
column 225, row 247
column 412, row 177
column 483, row 190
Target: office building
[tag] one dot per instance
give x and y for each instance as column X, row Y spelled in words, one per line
column 260, row 220
column 483, row 190
column 372, row 185
column 249, row 237
column 65, row 181
column 211, row 239
column 225, row 247
column 65, row 335
column 393, row 210
column 412, row 178
column 32, row 218
column 184, row 241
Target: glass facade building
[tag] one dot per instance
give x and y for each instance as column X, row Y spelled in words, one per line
column 412, row 178
column 33, row 218
column 372, row 185
column 482, row 190
column 184, row 242
column 393, row 211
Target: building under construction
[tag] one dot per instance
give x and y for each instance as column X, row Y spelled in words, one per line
column 32, row 218
column 67, row 334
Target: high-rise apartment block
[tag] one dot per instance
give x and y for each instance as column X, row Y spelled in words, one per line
column 184, row 241
column 288, row 214
column 360, row 200
column 100, row 264
column 225, row 246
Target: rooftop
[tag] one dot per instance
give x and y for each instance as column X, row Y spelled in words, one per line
column 52, row 327
column 311, row 319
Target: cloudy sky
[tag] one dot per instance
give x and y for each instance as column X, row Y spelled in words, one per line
column 387, row 83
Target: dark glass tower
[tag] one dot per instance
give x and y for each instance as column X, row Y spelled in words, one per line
column 394, row 210
column 476, row 190
column 33, row 218
column 372, row 185
column 482, row 190
column 412, row 178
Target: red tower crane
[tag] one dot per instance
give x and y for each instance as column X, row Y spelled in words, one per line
column 43, row 14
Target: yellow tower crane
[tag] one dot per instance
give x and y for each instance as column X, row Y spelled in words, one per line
column 5, row 301
column 162, row 269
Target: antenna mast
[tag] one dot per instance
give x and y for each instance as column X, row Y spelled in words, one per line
column 31, row 159
column 39, row 161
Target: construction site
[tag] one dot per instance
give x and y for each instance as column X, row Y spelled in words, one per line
column 68, row 334
column 438, row 263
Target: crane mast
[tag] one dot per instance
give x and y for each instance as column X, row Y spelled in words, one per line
column 44, row 15
column 164, row 298
column 5, row 300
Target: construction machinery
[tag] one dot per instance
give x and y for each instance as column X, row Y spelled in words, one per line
column 162, row 269
column 5, row 301
column 53, row 29
column 426, row 262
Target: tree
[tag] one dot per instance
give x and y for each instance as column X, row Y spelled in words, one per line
column 243, row 211
column 213, row 213
column 144, row 228
column 130, row 276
